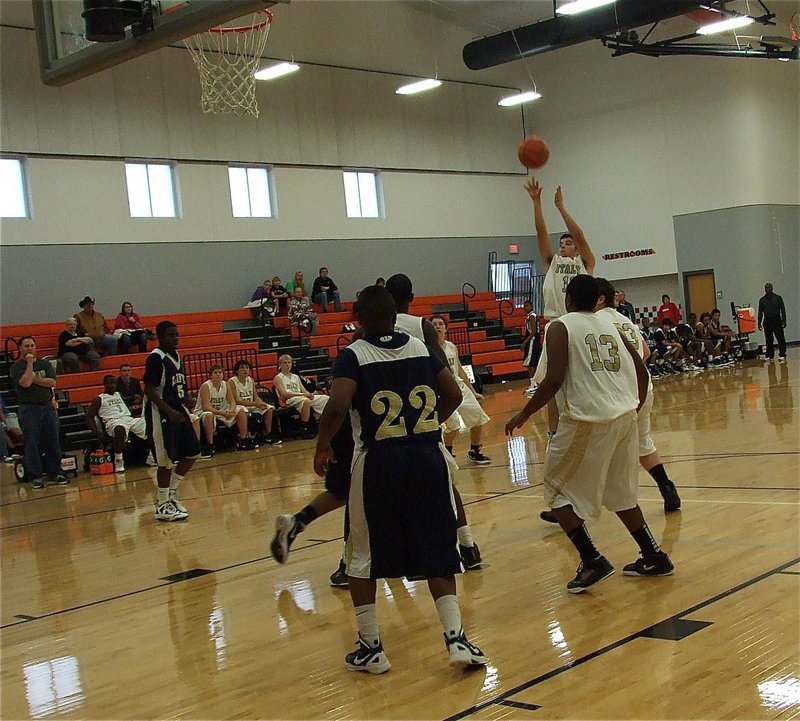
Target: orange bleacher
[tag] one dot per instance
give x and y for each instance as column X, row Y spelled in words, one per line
column 203, row 332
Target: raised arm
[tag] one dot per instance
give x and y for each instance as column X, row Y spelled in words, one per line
column 542, row 236
column 575, row 231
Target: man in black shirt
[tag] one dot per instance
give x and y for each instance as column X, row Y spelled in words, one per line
column 34, row 382
column 625, row 307
column 325, row 291
column 130, row 389
column 772, row 320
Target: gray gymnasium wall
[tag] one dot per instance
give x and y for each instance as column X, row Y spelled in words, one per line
column 184, row 277
column 746, row 247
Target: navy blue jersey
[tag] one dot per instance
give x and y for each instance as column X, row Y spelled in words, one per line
column 164, row 372
column 397, row 398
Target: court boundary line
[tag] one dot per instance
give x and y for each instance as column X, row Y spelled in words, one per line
column 498, row 698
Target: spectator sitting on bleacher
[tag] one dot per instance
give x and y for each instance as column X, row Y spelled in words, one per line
column 10, row 433
column 216, row 404
column 130, row 389
column 261, row 301
column 279, row 294
column 301, row 313
column 74, row 346
column 128, row 320
column 325, row 290
column 292, row 392
column 296, row 282
column 94, row 325
column 243, row 387
column 109, row 415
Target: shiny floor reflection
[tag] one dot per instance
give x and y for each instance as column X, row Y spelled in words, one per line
column 106, row 615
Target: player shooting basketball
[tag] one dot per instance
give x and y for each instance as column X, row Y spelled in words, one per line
column 574, row 257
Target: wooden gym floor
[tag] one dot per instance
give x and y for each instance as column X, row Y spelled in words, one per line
column 107, row 614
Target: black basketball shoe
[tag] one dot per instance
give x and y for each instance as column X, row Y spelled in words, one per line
column 589, row 573
column 672, row 501
column 470, row 557
column 657, row 564
column 366, row 658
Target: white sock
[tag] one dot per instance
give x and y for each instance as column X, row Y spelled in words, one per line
column 163, row 495
column 367, row 622
column 117, row 456
column 449, row 615
column 465, row 536
column 174, row 481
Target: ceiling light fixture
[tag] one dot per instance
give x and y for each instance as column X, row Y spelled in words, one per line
column 579, row 6
column 730, row 23
column 276, row 71
column 418, row 87
column 519, row 98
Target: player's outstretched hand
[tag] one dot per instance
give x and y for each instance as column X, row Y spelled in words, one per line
column 559, row 199
column 516, row 422
column 534, row 189
column 323, row 458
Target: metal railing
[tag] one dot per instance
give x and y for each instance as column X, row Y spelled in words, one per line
column 12, row 394
column 517, row 281
column 196, row 367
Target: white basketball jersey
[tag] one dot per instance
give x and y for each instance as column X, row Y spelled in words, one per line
column 630, row 332
column 217, row 397
column 451, row 353
column 292, row 383
column 410, row 325
column 561, row 271
column 247, row 390
column 112, row 408
column 600, row 382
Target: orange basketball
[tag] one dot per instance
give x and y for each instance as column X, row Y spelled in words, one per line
column 533, row 152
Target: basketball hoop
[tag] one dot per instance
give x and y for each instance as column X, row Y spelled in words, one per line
column 227, row 58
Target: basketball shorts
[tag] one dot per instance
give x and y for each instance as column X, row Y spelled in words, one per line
column 137, row 426
column 646, row 443
column 318, row 403
column 402, row 513
column 590, row 465
column 170, row 442
column 468, row 415
column 227, row 422
column 257, row 411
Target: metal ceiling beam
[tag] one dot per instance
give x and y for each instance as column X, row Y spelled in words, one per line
column 565, row 30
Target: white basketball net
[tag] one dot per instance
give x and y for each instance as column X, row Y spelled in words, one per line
column 227, row 59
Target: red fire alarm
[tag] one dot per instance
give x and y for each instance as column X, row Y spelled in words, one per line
column 513, row 249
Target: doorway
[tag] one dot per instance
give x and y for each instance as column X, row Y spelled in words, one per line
column 700, row 291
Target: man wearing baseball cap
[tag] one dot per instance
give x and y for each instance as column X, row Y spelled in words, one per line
column 95, row 326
